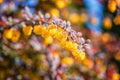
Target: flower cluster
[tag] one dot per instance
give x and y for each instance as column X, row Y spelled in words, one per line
column 47, row 26
column 113, row 5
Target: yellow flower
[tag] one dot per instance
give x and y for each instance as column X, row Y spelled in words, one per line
column 74, row 18
column 1, row 1
column 45, row 33
column 67, row 60
column 68, row 45
column 51, row 27
column 60, row 4
column 107, row 23
column 117, row 20
column 48, row 40
column 93, row 20
column 71, row 46
column 60, row 35
column 79, row 55
column 15, row 35
column 55, row 12
column 27, row 30
column 41, row 30
column 38, row 29
column 63, row 37
column 88, row 63
column 112, row 6
column 63, row 43
column 105, row 37
column 12, row 34
column 65, row 13
column 75, row 45
column 115, row 76
column 7, row 33
column 118, row 2
column 83, row 17
column 52, row 30
column 117, row 56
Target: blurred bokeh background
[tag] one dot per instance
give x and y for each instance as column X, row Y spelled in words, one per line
column 36, row 58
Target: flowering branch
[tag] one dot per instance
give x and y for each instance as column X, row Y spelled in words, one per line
column 47, row 26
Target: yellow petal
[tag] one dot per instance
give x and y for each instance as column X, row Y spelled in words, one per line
column 1, row 1
column 60, row 4
column 55, row 12
column 48, row 40
column 27, row 30
column 67, row 60
column 117, row 20
column 7, row 33
column 74, row 18
column 15, row 35
column 107, row 23
column 79, row 55
column 112, row 6
column 51, row 27
column 38, row 29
